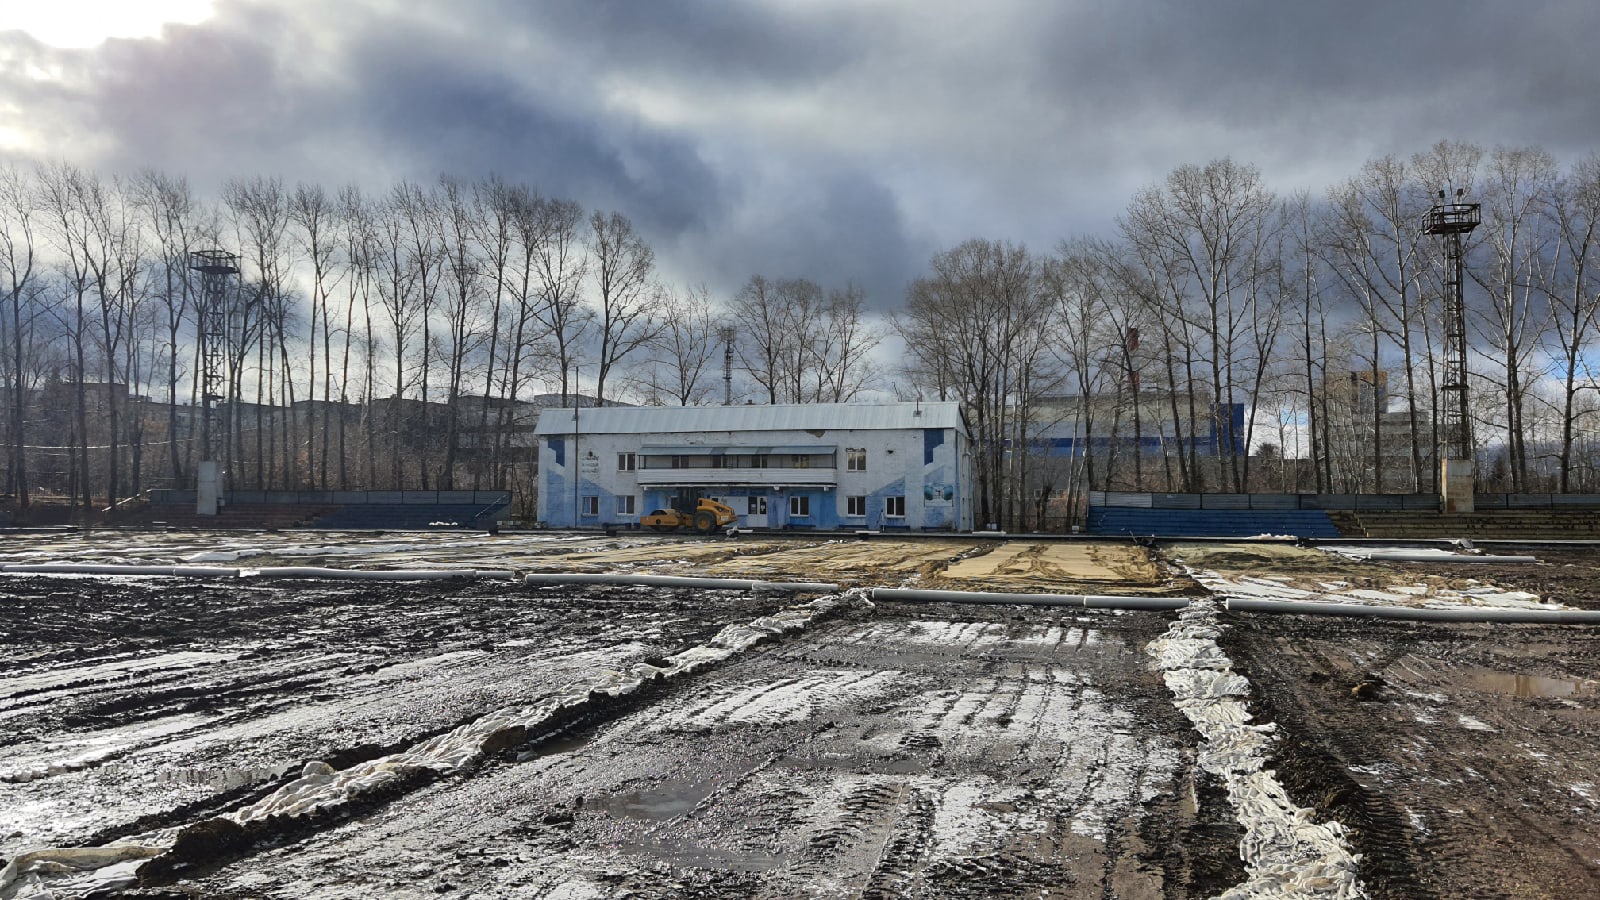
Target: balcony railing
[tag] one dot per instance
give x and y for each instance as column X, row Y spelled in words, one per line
column 729, row 476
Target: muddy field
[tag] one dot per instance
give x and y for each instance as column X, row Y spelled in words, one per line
column 649, row 742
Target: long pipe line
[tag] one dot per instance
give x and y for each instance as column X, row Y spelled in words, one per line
column 724, row 584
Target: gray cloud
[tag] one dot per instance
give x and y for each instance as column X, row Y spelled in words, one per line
column 835, row 140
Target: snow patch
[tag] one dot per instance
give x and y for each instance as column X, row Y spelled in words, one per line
column 1286, row 853
column 47, row 872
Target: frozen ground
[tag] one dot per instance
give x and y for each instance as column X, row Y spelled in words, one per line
column 846, row 750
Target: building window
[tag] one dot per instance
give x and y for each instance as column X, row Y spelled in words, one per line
column 680, row 461
column 799, row 461
column 758, row 506
column 855, row 506
column 855, row 459
column 894, row 507
column 625, row 504
column 591, row 505
column 723, row 462
column 627, row 462
column 799, row 507
column 759, row 461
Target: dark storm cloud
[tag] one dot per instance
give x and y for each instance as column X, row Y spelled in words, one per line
column 830, row 139
column 837, row 230
column 1286, row 81
column 404, row 102
column 447, row 112
column 700, row 39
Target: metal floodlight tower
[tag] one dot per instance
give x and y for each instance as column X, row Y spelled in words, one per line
column 1451, row 221
column 214, row 267
column 726, row 333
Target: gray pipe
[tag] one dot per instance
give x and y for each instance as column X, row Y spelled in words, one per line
column 719, row 584
column 378, row 574
column 119, row 569
column 795, row 587
column 1417, row 614
column 1088, row 601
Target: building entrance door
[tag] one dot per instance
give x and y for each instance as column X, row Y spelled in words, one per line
column 755, row 511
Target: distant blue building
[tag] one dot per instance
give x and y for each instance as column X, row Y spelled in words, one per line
column 813, row 466
column 1060, row 429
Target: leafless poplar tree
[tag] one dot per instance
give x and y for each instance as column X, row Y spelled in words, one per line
column 313, row 214
column 630, row 314
column 1574, row 210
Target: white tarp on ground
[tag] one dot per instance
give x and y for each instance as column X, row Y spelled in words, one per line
column 1286, row 854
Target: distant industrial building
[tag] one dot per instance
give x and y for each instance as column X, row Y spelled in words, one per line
column 814, row 466
column 1105, row 423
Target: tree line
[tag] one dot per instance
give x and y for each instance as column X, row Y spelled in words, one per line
column 1320, row 316
column 413, row 333
column 364, row 341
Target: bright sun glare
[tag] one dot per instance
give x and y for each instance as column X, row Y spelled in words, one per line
column 86, row 23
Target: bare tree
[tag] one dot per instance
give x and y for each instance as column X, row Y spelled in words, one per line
column 560, row 265
column 683, row 354
column 494, row 227
column 314, row 214
column 1574, row 208
column 420, row 213
column 18, row 262
column 171, row 212
column 980, row 306
column 1519, row 183
column 396, row 282
column 1310, row 318
column 259, row 208
column 842, row 350
column 630, row 305
column 1213, row 228
column 758, row 311
column 359, row 234
column 463, row 278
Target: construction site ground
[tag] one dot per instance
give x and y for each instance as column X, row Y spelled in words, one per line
column 885, row 749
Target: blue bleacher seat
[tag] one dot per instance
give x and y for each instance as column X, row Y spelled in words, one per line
column 1210, row 522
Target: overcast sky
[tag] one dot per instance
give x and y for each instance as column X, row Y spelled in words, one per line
column 841, row 140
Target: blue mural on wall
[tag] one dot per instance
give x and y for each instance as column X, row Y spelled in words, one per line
column 938, row 497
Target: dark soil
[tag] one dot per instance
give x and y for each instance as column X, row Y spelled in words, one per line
column 1462, row 758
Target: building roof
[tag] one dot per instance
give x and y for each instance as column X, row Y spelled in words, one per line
column 799, row 417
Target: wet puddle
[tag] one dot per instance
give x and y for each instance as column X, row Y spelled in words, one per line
column 1517, row 685
column 668, row 800
column 565, row 743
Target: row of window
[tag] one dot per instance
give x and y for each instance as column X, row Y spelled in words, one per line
column 855, row 460
column 799, row 507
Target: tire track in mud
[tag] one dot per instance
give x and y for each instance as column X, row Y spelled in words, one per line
column 1452, row 784
column 323, row 794
column 421, row 659
column 869, row 786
